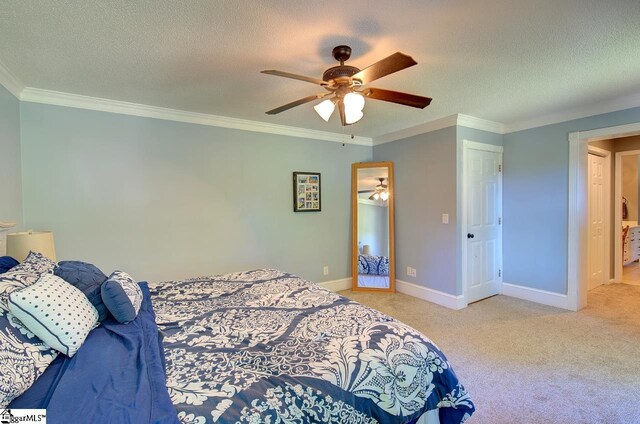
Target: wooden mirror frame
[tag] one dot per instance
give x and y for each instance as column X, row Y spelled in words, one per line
column 354, row 225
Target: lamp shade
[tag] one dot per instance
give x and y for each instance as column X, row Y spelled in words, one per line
column 325, row 109
column 353, row 105
column 19, row 244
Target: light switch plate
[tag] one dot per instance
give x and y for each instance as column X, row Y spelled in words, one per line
column 445, row 218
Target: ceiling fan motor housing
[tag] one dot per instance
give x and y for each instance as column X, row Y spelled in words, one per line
column 340, row 71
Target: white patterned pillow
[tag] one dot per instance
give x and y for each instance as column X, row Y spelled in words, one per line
column 56, row 312
column 23, row 275
column 23, row 358
column 122, row 296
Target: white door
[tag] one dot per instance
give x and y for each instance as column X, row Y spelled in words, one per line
column 596, row 245
column 483, row 222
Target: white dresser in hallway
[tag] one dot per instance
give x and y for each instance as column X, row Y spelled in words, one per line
column 631, row 252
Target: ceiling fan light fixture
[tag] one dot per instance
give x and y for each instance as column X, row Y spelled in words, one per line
column 353, row 105
column 384, row 195
column 376, row 196
column 354, row 101
column 345, row 81
column 352, row 118
column 325, row 109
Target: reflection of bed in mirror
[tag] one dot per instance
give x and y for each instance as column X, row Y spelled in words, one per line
column 372, row 204
column 373, row 271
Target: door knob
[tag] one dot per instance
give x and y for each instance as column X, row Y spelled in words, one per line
column 469, row 235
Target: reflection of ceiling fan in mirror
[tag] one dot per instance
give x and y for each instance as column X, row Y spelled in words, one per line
column 380, row 192
column 344, row 85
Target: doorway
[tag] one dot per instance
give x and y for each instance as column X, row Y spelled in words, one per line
column 481, row 220
column 627, row 267
column 577, row 240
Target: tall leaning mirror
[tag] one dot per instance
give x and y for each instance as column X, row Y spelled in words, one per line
column 372, row 201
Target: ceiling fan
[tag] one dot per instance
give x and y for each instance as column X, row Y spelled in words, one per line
column 379, row 192
column 344, row 85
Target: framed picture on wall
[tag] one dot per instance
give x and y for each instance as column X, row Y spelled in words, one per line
column 306, row 192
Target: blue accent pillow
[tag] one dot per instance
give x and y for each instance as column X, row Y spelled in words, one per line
column 6, row 263
column 122, row 296
column 88, row 279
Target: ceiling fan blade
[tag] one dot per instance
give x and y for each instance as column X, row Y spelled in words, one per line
column 295, row 76
column 397, row 97
column 343, row 117
column 365, row 191
column 394, row 63
column 296, row 103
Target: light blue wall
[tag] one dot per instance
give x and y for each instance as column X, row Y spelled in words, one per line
column 10, row 180
column 425, row 188
column 480, row 136
column 536, row 200
column 169, row 200
column 166, row 200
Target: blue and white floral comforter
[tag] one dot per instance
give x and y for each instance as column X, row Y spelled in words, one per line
column 266, row 346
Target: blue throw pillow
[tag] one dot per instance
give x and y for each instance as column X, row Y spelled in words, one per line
column 88, row 279
column 6, row 263
column 122, row 296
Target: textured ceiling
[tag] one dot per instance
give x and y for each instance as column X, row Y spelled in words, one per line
column 503, row 60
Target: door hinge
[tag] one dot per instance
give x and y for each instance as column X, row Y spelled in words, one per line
column 499, row 273
column 499, row 168
column 499, row 221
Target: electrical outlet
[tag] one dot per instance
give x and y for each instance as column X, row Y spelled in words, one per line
column 325, row 270
column 411, row 272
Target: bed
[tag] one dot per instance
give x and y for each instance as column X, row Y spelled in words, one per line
column 373, row 271
column 257, row 346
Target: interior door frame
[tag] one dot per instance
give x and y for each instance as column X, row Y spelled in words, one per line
column 607, row 210
column 466, row 146
column 617, row 269
column 577, row 260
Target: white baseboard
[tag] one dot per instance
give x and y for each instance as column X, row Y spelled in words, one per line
column 337, row 285
column 536, row 295
column 440, row 298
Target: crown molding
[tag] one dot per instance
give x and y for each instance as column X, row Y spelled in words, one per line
column 458, row 119
column 37, row 95
column 438, row 124
column 480, row 124
column 10, row 82
column 614, row 105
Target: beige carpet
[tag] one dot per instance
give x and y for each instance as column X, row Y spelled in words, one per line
column 527, row 363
